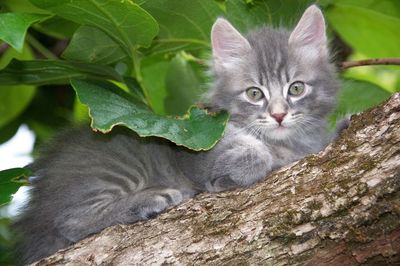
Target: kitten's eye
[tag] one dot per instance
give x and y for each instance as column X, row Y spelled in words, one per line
column 254, row 94
column 296, row 88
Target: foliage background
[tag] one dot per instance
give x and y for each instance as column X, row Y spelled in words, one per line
column 155, row 54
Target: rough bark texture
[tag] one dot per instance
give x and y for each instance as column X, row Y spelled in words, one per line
column 339, row 207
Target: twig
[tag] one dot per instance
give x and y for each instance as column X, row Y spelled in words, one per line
column 39, row 47
column 369, row 62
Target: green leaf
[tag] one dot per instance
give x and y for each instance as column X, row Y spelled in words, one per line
column 182, row 85
column 386, row 77
column 7, row 243
column 124, row 21
column 258, row 13
column 154, row 70
column 178, row 79
column 183, row 24
column 371, row 33
column 17, row 175
column 7, row 131
column 110, row 106
column 13, row 27
column 22, row 6
column 357, row 96
column 134, row 88
column 388, row 7
column 10, row 181
column 371, row 29
column 92, row 45
column 80, row 112
column 14, row 99
column 57, row 27
column 192, row 20
column 40, row 72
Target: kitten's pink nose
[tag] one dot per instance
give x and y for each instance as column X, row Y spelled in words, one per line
column 279, row 117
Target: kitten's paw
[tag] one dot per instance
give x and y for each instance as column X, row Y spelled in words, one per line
column 241, row 165
column 173, row 196
column 249, row 166
column 149, row 203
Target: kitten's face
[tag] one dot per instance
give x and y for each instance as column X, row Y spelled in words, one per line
column 276, row 84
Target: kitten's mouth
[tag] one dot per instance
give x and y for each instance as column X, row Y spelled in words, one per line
column 281, row 127
column 279, row 132
column 275, row 126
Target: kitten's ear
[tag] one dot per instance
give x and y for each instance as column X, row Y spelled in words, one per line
column 227, row 44
column 309, row 34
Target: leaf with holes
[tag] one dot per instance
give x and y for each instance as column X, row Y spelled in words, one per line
column 110, row 106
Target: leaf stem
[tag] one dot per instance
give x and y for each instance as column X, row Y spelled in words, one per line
column 183, row 40
column 190, row 57
column 370, row 62
column 39, row 47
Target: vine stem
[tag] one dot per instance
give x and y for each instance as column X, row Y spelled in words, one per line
column 370, row 62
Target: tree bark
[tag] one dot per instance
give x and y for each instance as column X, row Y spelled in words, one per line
column 338, row 207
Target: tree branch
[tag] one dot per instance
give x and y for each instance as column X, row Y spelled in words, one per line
column 338, row 207
column 369, row 62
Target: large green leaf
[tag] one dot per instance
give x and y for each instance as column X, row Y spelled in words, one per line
column 371, row 33
column 357, row 96
column 10, row 181
column 110, row 106
column 92, row 45
column 13, row 27
column 40, row 72
column 124, row 21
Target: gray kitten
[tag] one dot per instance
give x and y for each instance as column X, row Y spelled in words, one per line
column 278, row 87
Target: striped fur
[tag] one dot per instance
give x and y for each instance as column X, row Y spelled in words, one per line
column 87, row 181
